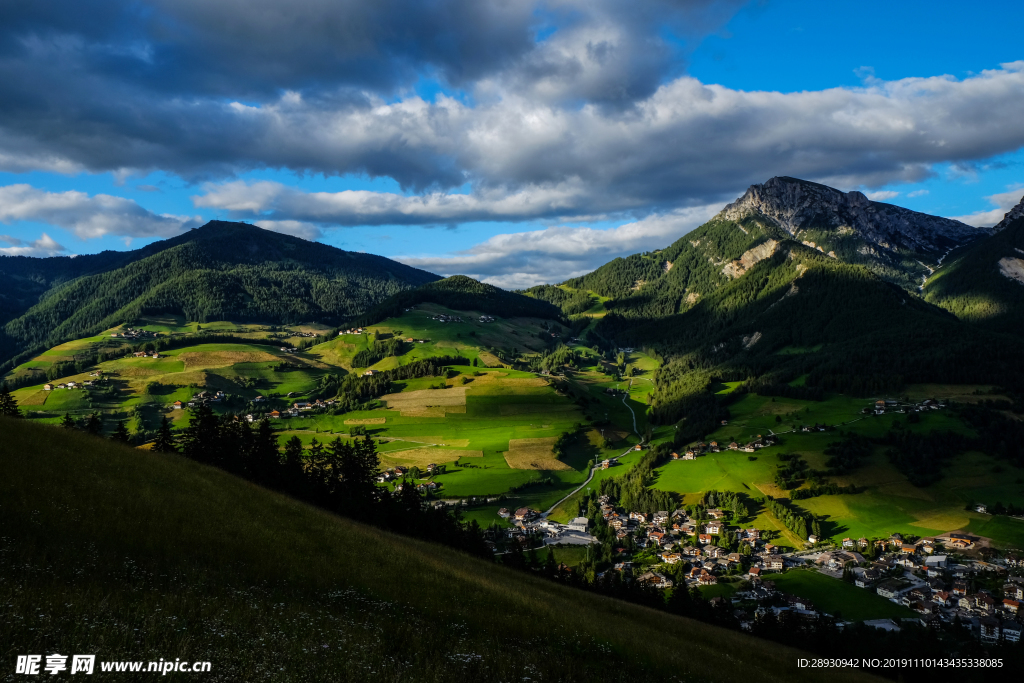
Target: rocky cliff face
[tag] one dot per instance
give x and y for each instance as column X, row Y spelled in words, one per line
column 799, row 206
column 1013, row 214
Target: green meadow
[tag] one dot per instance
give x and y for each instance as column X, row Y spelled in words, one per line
column 488, row 412
column 889, row 502
column 838, row 598
column 473, row 439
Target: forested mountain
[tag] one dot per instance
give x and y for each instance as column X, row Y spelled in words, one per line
column 219, row 271
column 984, row 283
column 892, row 242
column 796, row 279
column 463, row 293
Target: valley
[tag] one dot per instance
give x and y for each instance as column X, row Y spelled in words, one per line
column 676, row 436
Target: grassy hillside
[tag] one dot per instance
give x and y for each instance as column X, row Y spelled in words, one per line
column 886, row 501
column 134, row 555
column 464, row 294
column 222, row 270
column 491, row 425
column 974, row 284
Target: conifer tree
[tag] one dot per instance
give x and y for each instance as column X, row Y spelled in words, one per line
column 120, row 433
column 165, row 438
column 264, row 455
column 200, row 440
column 8, row 404
column 94, row 424
column 67, row 422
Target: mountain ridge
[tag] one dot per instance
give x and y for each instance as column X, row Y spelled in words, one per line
column 220, row 270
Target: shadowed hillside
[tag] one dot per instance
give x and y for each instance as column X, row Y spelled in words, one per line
column 134, row 555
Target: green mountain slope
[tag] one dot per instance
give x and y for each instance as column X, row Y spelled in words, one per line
column 727, row 300
column 463, row 294
column 984, row 283
column 220, row 271
column 137, row 556
column 893, row 243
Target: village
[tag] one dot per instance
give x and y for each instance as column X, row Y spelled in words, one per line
column 695, row 549
column 133, row 333
column 882, row 406
column 700, row 448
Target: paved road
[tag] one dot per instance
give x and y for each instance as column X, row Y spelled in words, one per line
column 593, row 470
column 630, row 410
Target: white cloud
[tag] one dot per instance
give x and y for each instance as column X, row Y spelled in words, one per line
column 363, row 207
column 882, row 195
column 1004, row 201
column 555, row 254
column 688, row 143
column 87, row 216
column 306, row 231
column 44, row 246
column 917, row 193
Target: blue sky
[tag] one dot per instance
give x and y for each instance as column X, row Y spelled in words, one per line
column 518, row 142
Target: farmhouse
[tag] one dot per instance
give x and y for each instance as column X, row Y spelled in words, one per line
column 961, row 541
column 177, row 405
column 47, row 387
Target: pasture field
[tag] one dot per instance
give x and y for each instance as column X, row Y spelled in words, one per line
column 469, row 338
column 838, row 598
column 533, row 454
column 889, row 502
column 494, row 427
column 718, row 590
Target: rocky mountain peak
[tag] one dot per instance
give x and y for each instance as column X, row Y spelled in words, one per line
column 1012, row 215
column 796, row 205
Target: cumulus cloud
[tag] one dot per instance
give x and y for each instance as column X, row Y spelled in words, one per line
column 279, row 202
column 555, row 110
column 882, row 195
column 524, row 259
column 686, row 143
column 306, row 231
column 1004, row 201
column 44, row 246
column 87, row 216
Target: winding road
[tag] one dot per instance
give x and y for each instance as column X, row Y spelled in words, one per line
column 576, row 490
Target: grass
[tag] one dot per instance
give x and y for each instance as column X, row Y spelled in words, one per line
column 839, row 598
column 102, row 554
column 888, row 503
column 718, row 590
column 533, row 454
column 421, row 457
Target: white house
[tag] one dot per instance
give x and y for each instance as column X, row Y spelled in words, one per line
column 579, row 524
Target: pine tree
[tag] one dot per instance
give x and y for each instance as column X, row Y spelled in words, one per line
column 94, row 424
column 679, row 601
column 67, row 422
column 264, row 456
column 200, row 440
column 8, row 404
column 295, row 475
column 120, row 433
column 165, row 438
column 550, row 567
